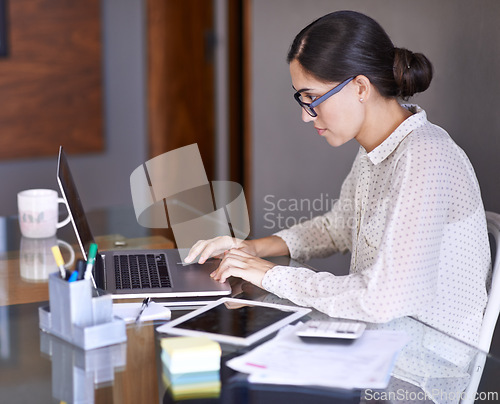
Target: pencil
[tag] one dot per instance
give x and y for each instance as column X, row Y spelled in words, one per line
column 59, row 260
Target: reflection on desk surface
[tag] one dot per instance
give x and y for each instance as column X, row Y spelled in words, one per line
column 432, row 366
column 431, row 361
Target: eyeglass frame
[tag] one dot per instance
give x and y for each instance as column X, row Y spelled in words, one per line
column 309, row 107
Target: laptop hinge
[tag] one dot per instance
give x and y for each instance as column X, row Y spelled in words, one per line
column 100, row 271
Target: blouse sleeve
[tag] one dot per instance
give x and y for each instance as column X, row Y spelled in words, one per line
column 435, row 204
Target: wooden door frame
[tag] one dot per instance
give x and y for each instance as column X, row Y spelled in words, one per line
column 156, row 80
column 239, row 68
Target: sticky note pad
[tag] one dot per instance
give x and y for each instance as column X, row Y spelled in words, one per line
column 190, row 354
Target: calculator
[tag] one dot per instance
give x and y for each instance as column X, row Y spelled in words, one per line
column 322, row 331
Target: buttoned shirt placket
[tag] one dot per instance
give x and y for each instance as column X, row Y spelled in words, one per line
column 361, row 200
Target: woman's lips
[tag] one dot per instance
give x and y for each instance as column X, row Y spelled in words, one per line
column 320, row 131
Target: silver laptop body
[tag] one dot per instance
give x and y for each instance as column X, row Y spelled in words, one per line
column 137, row 273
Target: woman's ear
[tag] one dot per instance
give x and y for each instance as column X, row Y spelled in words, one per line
column 363, row 87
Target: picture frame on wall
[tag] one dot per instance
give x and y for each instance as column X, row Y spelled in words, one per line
column 3, row 28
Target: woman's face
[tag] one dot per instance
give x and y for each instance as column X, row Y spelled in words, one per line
column 341, row 117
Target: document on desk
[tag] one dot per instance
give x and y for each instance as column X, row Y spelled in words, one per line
column 365, row 363
column 129, row 311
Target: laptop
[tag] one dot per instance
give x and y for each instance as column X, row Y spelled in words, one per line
column 137, row 273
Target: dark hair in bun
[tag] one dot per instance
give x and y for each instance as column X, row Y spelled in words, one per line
column 344, row 44
column 412, row 72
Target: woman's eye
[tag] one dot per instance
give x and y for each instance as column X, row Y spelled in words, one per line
column 310, row 98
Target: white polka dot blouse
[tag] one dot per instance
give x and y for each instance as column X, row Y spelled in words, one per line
column 410, row 212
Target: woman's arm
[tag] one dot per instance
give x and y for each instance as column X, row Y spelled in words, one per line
column 263, row 247
column 271, row 246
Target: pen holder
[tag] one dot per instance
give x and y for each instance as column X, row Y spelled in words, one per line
column 74, row 315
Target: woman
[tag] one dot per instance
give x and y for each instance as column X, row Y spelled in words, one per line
column 410, row 210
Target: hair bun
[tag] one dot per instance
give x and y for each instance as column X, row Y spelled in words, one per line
column 412, row 72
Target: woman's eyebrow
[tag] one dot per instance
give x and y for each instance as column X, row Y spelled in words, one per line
column 301, row 90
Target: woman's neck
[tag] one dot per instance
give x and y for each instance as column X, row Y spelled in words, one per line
column 383, row 116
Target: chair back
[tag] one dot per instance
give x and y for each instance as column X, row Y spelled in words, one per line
column 491, row 311
column 493, row 285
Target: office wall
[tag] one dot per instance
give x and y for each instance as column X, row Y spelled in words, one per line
column 294, row 166
column 103, row 178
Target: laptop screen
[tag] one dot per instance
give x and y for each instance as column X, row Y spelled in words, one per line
column 73, row 203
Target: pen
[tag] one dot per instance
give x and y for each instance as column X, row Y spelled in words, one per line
column 73, row 277
column 80, row 268
column 90, row 262
column 59, row 260
column 145, row 304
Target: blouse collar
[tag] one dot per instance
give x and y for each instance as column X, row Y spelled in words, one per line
column 383, row 150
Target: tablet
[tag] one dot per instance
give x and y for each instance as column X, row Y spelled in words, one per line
column 234, row 321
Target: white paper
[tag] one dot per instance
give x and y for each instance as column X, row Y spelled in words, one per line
column 129, row 312
column 366, row 363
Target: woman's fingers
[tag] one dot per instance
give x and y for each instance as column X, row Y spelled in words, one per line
column 210, row 248
column 240, row 264
column 229, row 267
column 195, row 250
column 216, row 246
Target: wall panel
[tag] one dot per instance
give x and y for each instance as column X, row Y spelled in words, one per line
column 50, row 81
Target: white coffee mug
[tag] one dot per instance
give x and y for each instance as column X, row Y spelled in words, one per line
column 39, row 212
column 37, row 260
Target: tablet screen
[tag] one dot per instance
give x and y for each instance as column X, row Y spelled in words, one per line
column 238, row 322
column 235, row 321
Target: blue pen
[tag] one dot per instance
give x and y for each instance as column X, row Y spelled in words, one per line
column 73, row 277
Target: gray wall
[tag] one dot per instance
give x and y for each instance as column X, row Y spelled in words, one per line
column 103, row 179
column 291, row 162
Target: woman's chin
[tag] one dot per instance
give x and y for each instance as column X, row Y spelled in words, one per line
column 335, row 141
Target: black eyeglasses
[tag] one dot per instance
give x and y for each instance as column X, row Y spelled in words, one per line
column 309, row 107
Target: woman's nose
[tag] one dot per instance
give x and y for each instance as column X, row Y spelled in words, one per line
column 306, row 117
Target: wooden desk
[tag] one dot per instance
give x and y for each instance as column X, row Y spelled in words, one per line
column 17, row 290
column 137, row 382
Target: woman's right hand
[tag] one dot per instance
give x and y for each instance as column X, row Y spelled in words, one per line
column 217, row 246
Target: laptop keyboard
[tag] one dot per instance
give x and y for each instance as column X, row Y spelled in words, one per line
column 141, row 271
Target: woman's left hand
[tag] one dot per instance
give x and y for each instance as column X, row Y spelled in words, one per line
column 242, row 265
